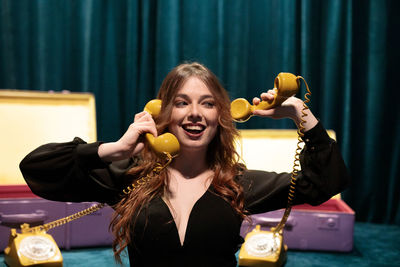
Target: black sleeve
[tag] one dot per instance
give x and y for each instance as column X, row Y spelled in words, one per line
column 323, row 174
column 73, row 171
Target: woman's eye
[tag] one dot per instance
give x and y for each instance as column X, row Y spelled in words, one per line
column 180, row 103
column 209, row 104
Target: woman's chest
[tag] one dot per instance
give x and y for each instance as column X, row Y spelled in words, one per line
column 211, row 223
column 182, row 197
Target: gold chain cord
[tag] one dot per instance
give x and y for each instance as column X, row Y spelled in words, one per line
column 296, row 163
column 62, row 221
column 135, row 185
column 145, row 179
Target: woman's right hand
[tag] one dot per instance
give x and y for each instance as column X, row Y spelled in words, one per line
column 131, row 142
column 291, row 108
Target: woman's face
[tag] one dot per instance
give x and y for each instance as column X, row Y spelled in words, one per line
column 194, row 117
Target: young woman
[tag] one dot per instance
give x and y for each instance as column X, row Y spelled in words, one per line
column 190, row 213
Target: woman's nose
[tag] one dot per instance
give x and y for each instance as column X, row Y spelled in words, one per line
column 194, row 112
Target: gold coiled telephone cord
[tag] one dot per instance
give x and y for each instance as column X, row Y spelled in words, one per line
column 296, row 163
column 134, row 186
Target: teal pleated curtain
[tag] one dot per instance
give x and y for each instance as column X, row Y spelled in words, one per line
column 347, row 51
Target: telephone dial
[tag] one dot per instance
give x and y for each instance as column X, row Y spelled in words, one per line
column 34, row 247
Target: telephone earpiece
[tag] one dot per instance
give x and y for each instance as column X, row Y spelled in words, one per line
column 164, row 143
column 285, row 86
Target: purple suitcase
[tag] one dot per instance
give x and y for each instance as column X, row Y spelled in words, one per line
column 327, row 227
column 90, row 230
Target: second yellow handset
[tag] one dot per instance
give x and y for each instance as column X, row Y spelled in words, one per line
column 285, row 85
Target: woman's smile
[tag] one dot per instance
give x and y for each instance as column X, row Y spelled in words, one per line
column 194, row 130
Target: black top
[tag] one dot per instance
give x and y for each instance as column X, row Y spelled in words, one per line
column 73, row 171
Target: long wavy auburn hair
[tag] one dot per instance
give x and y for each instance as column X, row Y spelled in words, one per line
column 222, row 157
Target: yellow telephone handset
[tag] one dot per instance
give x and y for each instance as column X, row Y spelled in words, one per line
column 285, row 86
column 164, row 143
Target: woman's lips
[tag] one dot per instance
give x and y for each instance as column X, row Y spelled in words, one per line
column 194, row 131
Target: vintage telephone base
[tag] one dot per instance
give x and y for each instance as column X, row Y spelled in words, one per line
column 32, row 249
column 262, row 249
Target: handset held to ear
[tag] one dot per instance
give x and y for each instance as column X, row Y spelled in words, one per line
column 165, row 143
column 285, row 86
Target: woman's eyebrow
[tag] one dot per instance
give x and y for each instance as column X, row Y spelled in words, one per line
column 206, row 96
column 202, row 97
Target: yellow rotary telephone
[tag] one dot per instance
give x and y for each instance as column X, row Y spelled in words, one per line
column 266, row 248
column 35, row 248
column 262, row 249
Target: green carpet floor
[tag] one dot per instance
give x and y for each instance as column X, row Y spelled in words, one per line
column 375, row 245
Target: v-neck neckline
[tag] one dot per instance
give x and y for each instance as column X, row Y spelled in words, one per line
column 188, row 225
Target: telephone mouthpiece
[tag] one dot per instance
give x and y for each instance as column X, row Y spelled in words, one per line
column 241, row 110
column 165, row 143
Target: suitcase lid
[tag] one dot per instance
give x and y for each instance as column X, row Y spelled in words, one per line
column 29, row 119
column 269, row 149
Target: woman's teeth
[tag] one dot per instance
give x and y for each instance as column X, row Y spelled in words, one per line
column 193, row 128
